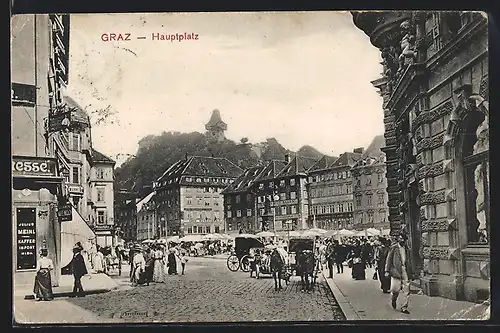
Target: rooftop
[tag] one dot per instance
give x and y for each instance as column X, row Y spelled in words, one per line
column 245, row 181
column 271, row 170
column 298, row 165
column 101, row 158
column 78, row 114
column 346, row 159
column 374, row 149
column 324, row 163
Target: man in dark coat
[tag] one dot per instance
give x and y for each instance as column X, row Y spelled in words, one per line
column 339, row 257
column 330, row 257
column 79, row 269
column 398, row 268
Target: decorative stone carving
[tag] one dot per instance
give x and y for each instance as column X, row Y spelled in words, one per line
column 440, row 252
column 435, row 225
column 430, row 143
column 452, row 224
column 484, row 88
column 433, row 198
column 423, row 215
column 431, row 170
column 408, row 52
column 430, row 116
column 424, row 239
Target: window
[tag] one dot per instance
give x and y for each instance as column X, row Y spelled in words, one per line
column 207, row 202
column 100, row 173
column 380, row 178
column 229, row 215
column 238, row 198
column 238, row 213
column 190, row 230
column 282, row 182
column 435, row 33
column 344, row 174
column 100, row 217
column 335, row 176
column 188, row 201
column 310, row 179
column 100, row 195
column 349, row 207
column 293, row 195
column 76, row 175
column 370, row 216
column 292, row 182
column 75, row 142
column 249, row 212
column 283, row 210
column 380, row 198
column 217, row 229
column 261, row 186
column 475, row 154
column 358, row 201
column 369, row 197
column 271, row 184
column 294, row 209
column 349, row 189
column 249, row 198
column 283, row 196
column 262, row 211
column 368, row 181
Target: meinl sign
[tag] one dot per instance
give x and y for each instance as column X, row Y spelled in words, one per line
column 26, row 238
column 33, row 166
column 65, row 213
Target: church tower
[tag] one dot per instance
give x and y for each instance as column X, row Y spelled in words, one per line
column 216, row 127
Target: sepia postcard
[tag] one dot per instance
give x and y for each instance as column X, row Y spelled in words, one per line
column 320, row 166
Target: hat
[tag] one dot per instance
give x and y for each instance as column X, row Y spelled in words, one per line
column 137, row 247
column 44, row 251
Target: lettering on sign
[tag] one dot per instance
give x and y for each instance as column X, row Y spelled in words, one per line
column 26, row 238
column 64, row 213
column 33, row 166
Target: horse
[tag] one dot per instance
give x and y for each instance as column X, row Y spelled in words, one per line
column 278, row 267
column 306, row 263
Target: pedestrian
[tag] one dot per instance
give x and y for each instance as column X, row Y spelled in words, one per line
column 330, row 257
column 43, row 282
column 398, row 268
column 339, row 257
column 98, row 261
column 358, row 264
column 183, row 260
column 119, row 256
column 139, row 267
column 381, row 257
column 79, row 270
column 159, row 265
column 171, row 262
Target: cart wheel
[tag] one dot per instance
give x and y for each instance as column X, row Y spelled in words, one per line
column 233, row 263
column 245, row 264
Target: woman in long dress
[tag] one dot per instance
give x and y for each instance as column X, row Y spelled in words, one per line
column 98, row 261
column 358, row 264
column 172, row 262
column 43, row 281
column 159, row 266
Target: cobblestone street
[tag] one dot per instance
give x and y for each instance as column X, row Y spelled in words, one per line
column 210, row 292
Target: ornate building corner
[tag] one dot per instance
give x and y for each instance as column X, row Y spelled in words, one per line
column 484, row 269
column 448, row 165
column 453, row 254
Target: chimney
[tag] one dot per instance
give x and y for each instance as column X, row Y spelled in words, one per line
column 360, row 150
column 186, row 156
column 287, row 158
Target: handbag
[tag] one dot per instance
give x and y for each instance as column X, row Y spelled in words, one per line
column 375, row 276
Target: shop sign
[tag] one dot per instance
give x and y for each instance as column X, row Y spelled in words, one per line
column 65, row 213
column 33, row 166
column 23, row 94
column 75, row 189
column 26, row 238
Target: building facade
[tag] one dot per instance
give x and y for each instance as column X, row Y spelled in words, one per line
column 146, row 218
column 435, row 100
column 125, row 215
column 240, row 203
column 370, row 188
column 101, row 180
column 282, row 201
column 189, row 195
column 331, row 192
column 39, row 71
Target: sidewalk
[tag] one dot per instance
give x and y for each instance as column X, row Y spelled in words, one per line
column 93, row 284
column 364, row 300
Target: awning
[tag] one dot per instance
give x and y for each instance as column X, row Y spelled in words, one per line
column 76, row 230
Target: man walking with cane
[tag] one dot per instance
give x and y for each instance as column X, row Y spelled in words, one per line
column 398, row 267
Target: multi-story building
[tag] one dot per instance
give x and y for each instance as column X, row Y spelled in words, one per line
column 330, row 192
column 370, row 188
column 435, row 89
column 282, row 201
column 146, row 218
column 125, row 215
column 101, row 180
column 189, row 195
column 240, row 204
column 39, row 71
column 265, row 193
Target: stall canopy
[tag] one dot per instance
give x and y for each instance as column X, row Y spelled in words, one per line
column 173, row 239
column 318, row 230
column 191, row 238
column 265, row 234
column 76, row 230
column 372, row 232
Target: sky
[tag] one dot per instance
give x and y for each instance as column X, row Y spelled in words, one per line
column 300, row 77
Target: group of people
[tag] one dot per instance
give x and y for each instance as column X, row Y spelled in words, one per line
column 152, row 263
column 42, row 289
column 389, row 258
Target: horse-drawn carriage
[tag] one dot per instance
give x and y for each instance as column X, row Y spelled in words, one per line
column 244, row 245
column 303, row 259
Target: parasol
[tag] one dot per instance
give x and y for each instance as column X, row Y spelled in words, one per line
column 265, row 234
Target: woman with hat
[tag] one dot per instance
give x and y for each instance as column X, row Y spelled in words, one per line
column 43, row 282
column 138, row 266
column 172, row 262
